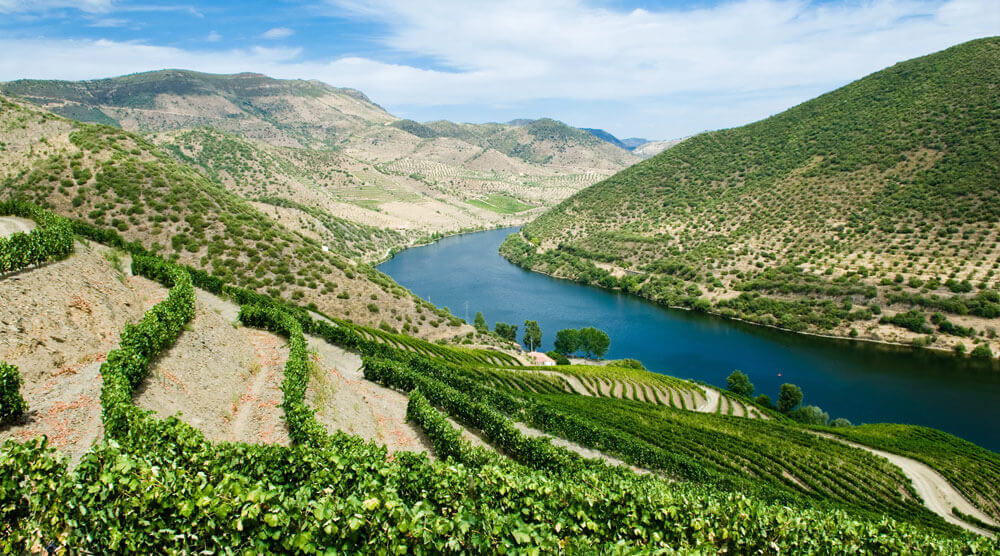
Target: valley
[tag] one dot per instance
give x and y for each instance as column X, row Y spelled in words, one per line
column 258, row 315
column 291, row 143
column 860, row 381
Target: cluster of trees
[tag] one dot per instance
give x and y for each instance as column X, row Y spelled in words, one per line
column 532, row 332
column 789, row 401
column 591, row 341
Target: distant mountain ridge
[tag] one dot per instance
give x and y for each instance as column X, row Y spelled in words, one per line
column 334, row 148
column 294, row 113
column 640, row 147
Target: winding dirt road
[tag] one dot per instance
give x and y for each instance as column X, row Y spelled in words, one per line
column 938, row 494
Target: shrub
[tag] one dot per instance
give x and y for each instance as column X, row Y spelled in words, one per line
column 810, row 415
column 559, row 358
column 913, row 320
column 982, row 351
column 628, row 364
column 12, row 405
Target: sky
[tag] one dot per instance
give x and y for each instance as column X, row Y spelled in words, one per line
column 653, row 69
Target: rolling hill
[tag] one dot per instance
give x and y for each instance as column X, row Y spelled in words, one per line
column 335, row 150
column 871, row 211
column 208, row 364
column 108, row 177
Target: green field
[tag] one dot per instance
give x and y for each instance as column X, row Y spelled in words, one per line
column 502, row 204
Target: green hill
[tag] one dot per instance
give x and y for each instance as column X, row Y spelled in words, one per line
column 840, row 215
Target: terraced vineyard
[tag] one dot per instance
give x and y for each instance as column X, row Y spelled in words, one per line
column 975, row 472
column 159, row 485
column 625, row 384
column 452, row 354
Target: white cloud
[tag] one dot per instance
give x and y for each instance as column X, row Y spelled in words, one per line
column 565, row 49
column 668, row 71
column 213, row 37
column 277, row 33
column 11, row 6
column 109, row 22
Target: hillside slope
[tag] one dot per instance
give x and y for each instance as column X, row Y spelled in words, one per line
column 109, row 177
column 423, row 179
column 290, row 477
column 289, row 112
column 858, row 213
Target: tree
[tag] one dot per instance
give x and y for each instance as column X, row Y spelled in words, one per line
column 840, row 422
column 567, row 341
column 789, row 397
column 811, row 415
column 593, row 341
column 480, row 323
column 764, row 400
column 532, row 335
column 506, row 331
column 739, row 383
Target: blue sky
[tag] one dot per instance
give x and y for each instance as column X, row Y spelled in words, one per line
column 655, row 69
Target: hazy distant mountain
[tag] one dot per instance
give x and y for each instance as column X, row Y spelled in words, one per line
column 643, row 148
column 605, row 136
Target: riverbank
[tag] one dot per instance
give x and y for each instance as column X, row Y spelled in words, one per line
column 900, row 337
column 861, row 381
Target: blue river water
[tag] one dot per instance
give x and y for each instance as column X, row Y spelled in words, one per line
column 864, row 382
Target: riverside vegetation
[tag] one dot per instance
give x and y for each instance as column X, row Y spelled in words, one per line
column 862, row 213
column 158, row 485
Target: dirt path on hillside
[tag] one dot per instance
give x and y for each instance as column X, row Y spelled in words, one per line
column 711, row 402
column 938, row 494
column 10, row 225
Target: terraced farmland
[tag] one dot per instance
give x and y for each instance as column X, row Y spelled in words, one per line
column 625, row 384
column 452, row 354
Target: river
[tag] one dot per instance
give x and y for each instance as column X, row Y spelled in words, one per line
column 864, row 382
